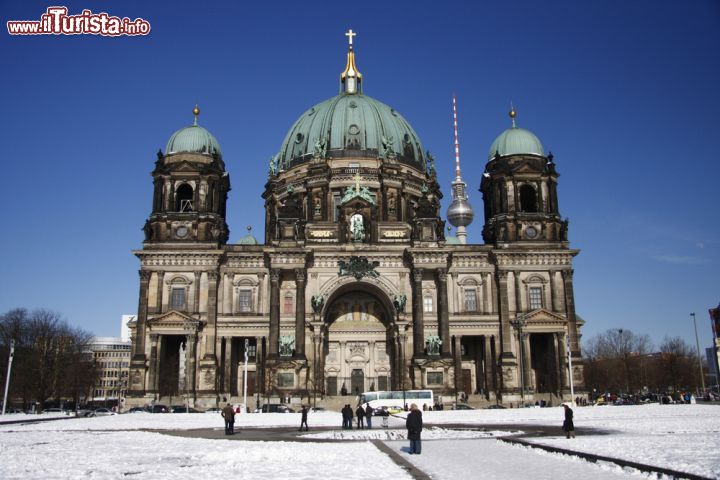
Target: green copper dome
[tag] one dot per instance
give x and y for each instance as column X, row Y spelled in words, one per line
column 516, row 141
column 193, row 139
column 248, row 240
column 352, row 123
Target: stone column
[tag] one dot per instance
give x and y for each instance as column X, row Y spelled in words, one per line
column 527, row 372
column 160, row 352
column 227, row 371
column 139, row 354
column 570, row 311
column 559, row 364
column 212, row 277
column 274, row 331
column 300, row 313
column 443, row 313
column 505, row 331
column 159, row 293
column 489, row 382
column 261, row 290
column 196, row 302
column 227, row 294
column 402, row 338
column 190, row 369
column 418, row 320
column 457, row 353
column 153, row 372
column 259, row 365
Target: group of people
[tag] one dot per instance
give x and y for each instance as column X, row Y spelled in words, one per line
column 363, row 414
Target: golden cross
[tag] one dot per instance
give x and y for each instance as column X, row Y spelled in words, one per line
column 350, row 34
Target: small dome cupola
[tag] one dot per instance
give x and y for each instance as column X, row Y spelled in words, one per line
column 515, row 141
column 193, row 139
column 350, row 78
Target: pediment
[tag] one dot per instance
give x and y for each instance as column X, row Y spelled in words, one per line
column 524, row 167
column 185, row 166
column 544, row 317
column 172, row 320
column 357, row 202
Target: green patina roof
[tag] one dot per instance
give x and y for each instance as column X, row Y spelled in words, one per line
column 248, row 240
column 193, row 139
column 352, row 122
column 452, row 240
column 516, row 141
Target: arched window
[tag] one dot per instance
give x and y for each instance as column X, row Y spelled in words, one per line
column 528, row 199
column 184, row 198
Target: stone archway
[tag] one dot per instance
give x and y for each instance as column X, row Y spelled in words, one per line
column 359, row 351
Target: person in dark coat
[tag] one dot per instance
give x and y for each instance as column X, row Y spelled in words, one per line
column 303, row 418
column 360, row 412
column 347, row 415
column 368, row 415
column 568, row 425
column 229, row 415
column 414, row 426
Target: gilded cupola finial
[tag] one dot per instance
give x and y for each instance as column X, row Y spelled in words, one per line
column 351, row 79
column 196, row 112
column 512, row 113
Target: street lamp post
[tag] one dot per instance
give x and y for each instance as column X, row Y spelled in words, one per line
column 247, row 345
column 519, row 323
column 697, row 343
column 7, row 377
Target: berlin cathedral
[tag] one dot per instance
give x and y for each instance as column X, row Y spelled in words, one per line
column 356, row 285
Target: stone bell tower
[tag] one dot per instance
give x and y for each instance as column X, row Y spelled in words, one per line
column 190, row 190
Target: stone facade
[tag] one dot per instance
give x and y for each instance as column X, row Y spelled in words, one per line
column 354, row 286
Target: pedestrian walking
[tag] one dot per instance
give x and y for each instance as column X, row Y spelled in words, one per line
column 414, row 426
column 303, row 418
column 360, row 412
column 229, row 415
column 568, row 425
column 347, row 415
column 368, row 415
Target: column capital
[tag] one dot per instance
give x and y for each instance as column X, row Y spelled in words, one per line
column 300, row 275
column 212, row 275
column 567, row 274
column 442, row 274
column 417, row 274
column 144, row 275
column 275, row 276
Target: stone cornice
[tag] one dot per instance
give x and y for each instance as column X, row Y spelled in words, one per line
column 385, row 260
column 256, row 260
column 469, row 260
column 429, row 258
column 179, row 258
column 541, row 259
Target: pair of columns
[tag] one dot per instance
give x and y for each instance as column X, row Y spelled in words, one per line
column 274, row 333
column 418, row 312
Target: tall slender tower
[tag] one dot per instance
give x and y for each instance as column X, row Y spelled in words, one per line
column 460, row 213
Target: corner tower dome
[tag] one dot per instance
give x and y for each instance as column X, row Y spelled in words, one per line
column 516, row 141
column 351, row 121
column 193, row 139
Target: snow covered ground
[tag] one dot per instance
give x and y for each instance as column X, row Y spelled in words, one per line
column 679, row 437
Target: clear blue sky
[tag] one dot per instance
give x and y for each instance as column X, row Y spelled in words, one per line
column 625, row 94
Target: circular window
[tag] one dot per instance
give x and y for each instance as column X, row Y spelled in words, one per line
column 299, row 138
column 392, row 110
column 353, row 129
column 181, row 232
column 352, row 104
column 312, row 111
column 531, row 232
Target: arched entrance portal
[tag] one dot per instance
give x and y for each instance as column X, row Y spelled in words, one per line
column 359, row 345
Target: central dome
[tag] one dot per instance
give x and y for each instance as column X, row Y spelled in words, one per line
column 352, row 123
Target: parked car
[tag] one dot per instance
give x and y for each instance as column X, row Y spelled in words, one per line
column 183, row 409
column 84, row 412
column 275, row 408
column 158, row 409
column 137, row 410
column 13, row 410
column 495, row 407
column 102, row 412
column 55, row 411
column 463, row 406
column 213, row 410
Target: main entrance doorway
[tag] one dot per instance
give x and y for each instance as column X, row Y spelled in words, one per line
column 359, row 346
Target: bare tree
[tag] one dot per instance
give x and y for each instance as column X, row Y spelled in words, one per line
column 50, row 356
column 613, row 360
column 677, row 362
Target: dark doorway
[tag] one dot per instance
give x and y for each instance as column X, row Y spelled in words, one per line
column 473, row 349
column 332, row 388
column 542, row 358
column 169, row 374
column 466, row 382
column 357, row 381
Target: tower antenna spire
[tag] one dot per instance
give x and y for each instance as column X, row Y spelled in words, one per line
column 457, row 145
